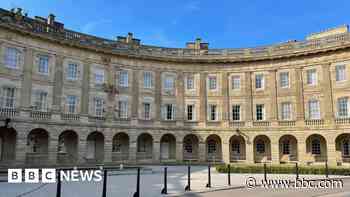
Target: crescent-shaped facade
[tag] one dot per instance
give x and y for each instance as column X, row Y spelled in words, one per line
column 68, row 98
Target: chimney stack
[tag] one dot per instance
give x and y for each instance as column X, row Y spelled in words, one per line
column 51, row 19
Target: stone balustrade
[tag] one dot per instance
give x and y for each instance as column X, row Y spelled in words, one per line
column 286, row 123
column 261, row 123
column 316, row 122
column 341, row 121
column 8, row 112
column 70, row 117
column 40, row 115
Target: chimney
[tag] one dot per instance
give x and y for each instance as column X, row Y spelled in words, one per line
column 51, row 19
column 197, row 45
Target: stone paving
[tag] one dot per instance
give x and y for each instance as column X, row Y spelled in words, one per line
column 124, row 184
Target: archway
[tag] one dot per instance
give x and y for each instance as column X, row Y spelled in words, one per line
column 342, row 147
column 144, row 147
column 95, row 147
column 213, row 148
column 67, row 149
column 190, row 148
column 120, row 147
column 7, row 144
column 262, row 149
column 37, row 146
column 288, row 149
column 168, row 147
column 237, row 148
column 316, row 148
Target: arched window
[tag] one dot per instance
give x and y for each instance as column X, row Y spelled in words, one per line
column 117, row 145
column 316, row 147
column 188, row 146
column 260, row 146
column 346, row 148
column 235, row 147
column 211, row 146
column 286, row 147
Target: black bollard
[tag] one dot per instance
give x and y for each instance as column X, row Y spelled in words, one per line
column 326, row 172
column 165, row 189
column 188, row 186
column 58, row 189
column 229, row 174
column 265, row 173
column 297, row 170
column 137, row 193
column 209, row 177
column 104, row 189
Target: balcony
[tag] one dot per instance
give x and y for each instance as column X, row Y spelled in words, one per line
column 97, row 118
column 286, row 123
column 70, row 117
column 237, row 124
column 8, row 112
column 261, row 123
column 40, row 115
column 341, row 121
column 315, row 122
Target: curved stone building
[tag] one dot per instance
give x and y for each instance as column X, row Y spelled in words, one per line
column 67, row 98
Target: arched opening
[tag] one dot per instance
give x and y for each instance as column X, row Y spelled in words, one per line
column 95, row 147
column 37, row 146
column 316, row 148
column 190, row 148
column 168, row 147
column 342, row 147
column 288, row 149
column 237, row 148
column 213, row 147
column 144, row 147
column 120, row 147
column 67, row 149
column 262, row 149
column 7, row 144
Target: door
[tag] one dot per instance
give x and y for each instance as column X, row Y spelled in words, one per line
column 90, row 152
column 165, row 150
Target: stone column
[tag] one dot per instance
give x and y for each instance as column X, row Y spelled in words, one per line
column 300, row 114
column 156, row 152
column 249, row 99
column 26, row 86
column 132, row 151
column 275, row 150
column 226, row 151
column 82, row 149
column 302, row 155
column 326, row 88
column 331, row 152
column 273, row 95
column 21, row 148
column 180, row 100
column 135, row 95
column 202, row 152
column 157, row 96
column 250, row 149
column 52, row 149
column 203, row 98
column 85, row 89
column 108, row 150
column 225, row 99
column 57, row 88
column 179, row 151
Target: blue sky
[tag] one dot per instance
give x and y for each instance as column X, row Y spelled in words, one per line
column 224, row 24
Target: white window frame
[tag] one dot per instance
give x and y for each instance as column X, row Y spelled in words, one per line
column 123, row 109
column 286, row 111
column 311, row 77
column 190, row 82
column 8, row 97
column 124, row 78
column 314, row 109
column 259, row 81
column 72, row 71
column 340, row 73
column 71, row 104
column 41, row 101
column 235, row 82
column 212, row 82
column 43, row 64
column 147, row 79
column 147, row 111
column 99, row 76
column 235, row 113
column 343, row 107
column 284, row 79
column 12, row 57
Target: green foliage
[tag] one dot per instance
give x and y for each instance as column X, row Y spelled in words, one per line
column 282, row 169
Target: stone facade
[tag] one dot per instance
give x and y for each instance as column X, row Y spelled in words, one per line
column 69, row 98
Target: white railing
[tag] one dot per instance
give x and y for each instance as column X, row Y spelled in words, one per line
column 40, row 115
column 316, row 122
column 67, row 116
column 261, row 123
column 342, row 121
column 8, row 112
column 237, row 124
column 286, row 123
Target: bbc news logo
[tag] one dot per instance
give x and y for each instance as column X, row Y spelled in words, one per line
column 48, row 175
